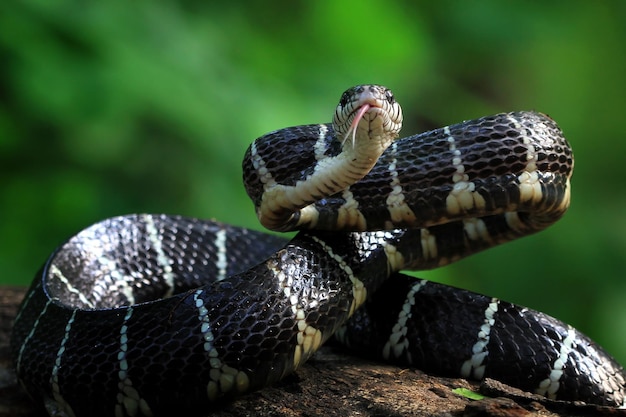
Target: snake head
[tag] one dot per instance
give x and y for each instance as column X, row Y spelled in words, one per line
column 368, row 112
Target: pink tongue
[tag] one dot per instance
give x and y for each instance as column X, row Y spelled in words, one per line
column 355, row 122
column 362, row 110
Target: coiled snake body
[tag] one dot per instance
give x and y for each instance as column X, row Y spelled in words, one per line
column 157, row 314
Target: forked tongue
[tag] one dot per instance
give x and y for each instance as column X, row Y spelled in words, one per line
column 355, row 122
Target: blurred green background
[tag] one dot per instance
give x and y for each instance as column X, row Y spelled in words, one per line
column 117, row 107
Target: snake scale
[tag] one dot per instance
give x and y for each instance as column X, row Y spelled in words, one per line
column 144, row 315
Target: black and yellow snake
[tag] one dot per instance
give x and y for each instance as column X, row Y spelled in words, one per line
column 145, row 315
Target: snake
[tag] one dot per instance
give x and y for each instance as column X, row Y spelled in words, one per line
column 156, row 314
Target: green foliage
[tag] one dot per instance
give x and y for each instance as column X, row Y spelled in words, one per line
column 116, row 107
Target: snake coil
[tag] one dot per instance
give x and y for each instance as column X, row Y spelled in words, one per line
column 158, row 314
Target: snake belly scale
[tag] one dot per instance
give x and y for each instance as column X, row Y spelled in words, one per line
column 144, row 315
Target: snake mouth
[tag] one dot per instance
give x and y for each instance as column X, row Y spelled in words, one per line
column 359, row 113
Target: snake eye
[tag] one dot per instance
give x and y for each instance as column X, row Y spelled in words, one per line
column 389, row 97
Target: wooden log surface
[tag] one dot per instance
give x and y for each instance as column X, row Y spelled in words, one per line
column 333, row 383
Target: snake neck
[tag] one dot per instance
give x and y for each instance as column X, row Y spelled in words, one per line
column 366, row 121
column 285, row 207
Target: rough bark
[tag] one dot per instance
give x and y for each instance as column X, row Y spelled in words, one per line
column 333, row 384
